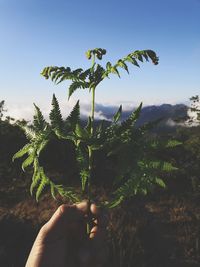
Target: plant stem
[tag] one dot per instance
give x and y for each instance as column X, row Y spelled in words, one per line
column 92, row 109
column 90, row 155
column 90, row 170
column 90, row 152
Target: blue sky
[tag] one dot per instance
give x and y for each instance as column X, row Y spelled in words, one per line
column 35, row 34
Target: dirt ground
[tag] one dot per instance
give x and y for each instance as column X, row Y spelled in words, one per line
column 162, row 230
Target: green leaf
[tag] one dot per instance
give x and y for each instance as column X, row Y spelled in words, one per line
column 22, row 151
column 82, row 160
column 84, row 178
column 77, row 72
column 75, row 85
column 59, row 76
column 55, row 114
column 122, row 64
column 115, row 203
column 65, row 76
column 108, row 66
column 80, row 132
column 36, row 177
column 157, row 165
column 89, row 125
column 168, row 167
column 52, row 188
column 96, row 147
column 135, row 115
column 160, row 182
column 152, row 56
column 64, row 136
column 44, row 72
column 131, row 119
column 173, row 143
column 115, row 70
column 83, row 76
column 28, row 162
column 29, row 131
column 139, row 56
column 134, row 62
column 41, row 146
column 117, row 115
column 38, row 119
column 50, row 70
column 68, row 193
column 88, row 54
column 43, row 183
column 74, row 116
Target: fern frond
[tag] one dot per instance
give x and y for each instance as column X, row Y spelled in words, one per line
column 52, row 71
column 98, row 52
column 128, row 123
column 74, row 116
column 168, row 167
column 128, row 189
column 173, row 143
column 59, row 74
column 38, row 119
column 55, row 114
column 131, row 58
column 156, row 165
column 117, row 115
column 67, row 193
column 116, row 202
column 147, row 54
column 82, row 160
column 159, row 182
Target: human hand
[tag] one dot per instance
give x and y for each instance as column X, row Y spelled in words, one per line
column 63, row 241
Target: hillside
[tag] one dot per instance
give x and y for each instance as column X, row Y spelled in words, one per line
column 170, row 115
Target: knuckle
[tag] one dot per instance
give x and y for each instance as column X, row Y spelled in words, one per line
column 63, row 208
column 44, row 230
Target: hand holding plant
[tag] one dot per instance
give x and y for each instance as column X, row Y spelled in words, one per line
column 63, row 242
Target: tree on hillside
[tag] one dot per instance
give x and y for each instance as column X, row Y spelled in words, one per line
column 2, row 110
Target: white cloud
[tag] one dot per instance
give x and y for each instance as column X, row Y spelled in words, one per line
column 103, row 110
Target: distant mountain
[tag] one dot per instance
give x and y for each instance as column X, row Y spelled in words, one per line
column 170, row 114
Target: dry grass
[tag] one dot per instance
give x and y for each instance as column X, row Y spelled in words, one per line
column 158, row 231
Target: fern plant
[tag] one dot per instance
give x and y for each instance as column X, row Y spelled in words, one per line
column 137, row 171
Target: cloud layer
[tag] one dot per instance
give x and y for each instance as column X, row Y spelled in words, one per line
column 102, row 111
